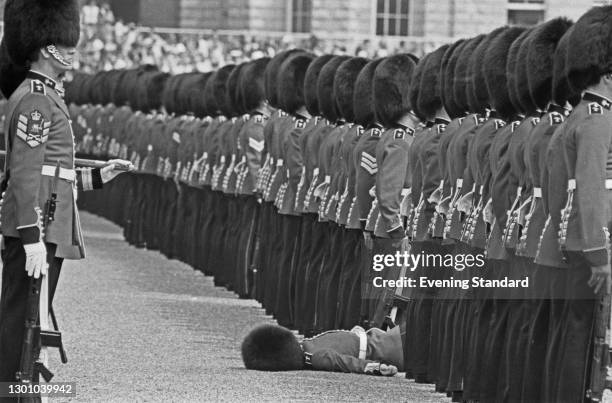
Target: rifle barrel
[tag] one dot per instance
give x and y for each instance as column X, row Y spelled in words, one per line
column 83, row 163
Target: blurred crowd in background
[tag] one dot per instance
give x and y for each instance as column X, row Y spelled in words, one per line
column 108, row 43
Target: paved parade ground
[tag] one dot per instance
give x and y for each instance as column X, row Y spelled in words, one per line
column 140, row 327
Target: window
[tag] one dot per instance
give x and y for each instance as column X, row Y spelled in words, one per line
column 525, row 17
column 301, row 15
column 392, row 17
column 526, row 12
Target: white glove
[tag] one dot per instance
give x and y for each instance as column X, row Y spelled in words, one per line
column 375, row 368
column 36, row 259
column 114, row 168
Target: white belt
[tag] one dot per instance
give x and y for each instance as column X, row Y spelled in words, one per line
column 363, row 341
column 64, row 173
column 537, row 193
column 608, row 184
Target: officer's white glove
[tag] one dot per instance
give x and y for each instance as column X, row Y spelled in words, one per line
column 114, row 168
column 36, row 259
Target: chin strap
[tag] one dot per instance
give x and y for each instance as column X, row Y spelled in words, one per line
column 57, row 55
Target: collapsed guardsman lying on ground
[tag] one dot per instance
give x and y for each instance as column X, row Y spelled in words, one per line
column 372, row 352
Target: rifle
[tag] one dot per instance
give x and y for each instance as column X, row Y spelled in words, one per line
column 600, row 358
column 87, row 163
column 30, row 363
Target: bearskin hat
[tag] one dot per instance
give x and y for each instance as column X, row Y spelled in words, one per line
column 478, row 95
column 415, row 87
column 291, row 81
column 272, row 348
column 512, row 71
column 155, row 84
column 30, row 25
column 562, row 89
column 344, row 86
column 589, row 54
column 495, row 60
column 310, row 83
column 540, row 59
column 447, row 77
column 232, row 87
column 430, row 97
column 271, row 75
column 363, row 101
column 325, row 88
column 462, row 78
column 216, row 94
column 392, row 81
column 252, row 83
column 11, row 74
column 196, row 94
column 522, row 79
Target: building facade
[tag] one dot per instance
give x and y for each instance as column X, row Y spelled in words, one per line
column 341, row 18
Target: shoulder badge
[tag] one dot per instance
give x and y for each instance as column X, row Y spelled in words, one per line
column 259, row 118
column 499, row 124
column 376, row 132
column 461, row 121
column 606, row 104
column 176, row 137
column 441, row 128
column 360, row 130
column 33, row 128
column 37, row 87
column 300, row 124
column 399, row 134
column 595, row 109
column 515, row 124
column 555, row 118
column 535, row 121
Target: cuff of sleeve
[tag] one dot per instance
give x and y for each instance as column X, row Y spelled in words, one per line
column 29, row 234
column 598, row 257
column 96, row 178
column 397, row 232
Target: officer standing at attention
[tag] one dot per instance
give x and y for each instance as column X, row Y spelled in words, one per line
column 38, row 134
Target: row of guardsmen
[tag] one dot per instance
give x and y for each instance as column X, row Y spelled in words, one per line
column 283, row 177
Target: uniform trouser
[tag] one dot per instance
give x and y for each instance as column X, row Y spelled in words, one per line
column 329, row 278
column 554, row 338
column 539, row 324
column 217, row 237
column 349, row 291
column 289, row 240
column 247, row 235
column 15, row 286
column 450, row 342
column 381, row 298
column 492, row 370
column 575, row 353
column 314, row 265
column 517, row 335
column 480, row 315
column 271, row 267
column 301, row 269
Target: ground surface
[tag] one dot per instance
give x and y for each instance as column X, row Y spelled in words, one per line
column 140, row 327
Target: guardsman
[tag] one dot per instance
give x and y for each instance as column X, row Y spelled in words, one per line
column 348, row 297
column 325, row 194
column 38, row 136
column 227, row 178
column 393, row 109
column 269, row 182
column 540, row 63
column 476, row 180
column 314, row 237
column 342, row 246
column 291, row 100
column 502, row 94
column 217, row 159
column 372, row 352
column 251, row 143
column 586, row 219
